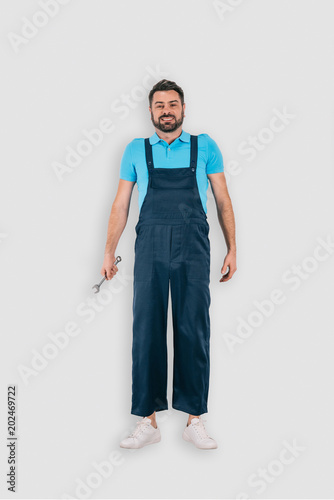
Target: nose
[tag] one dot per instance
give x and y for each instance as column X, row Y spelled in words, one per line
column 166, row 110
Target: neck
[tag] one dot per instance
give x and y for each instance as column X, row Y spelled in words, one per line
column 169, row 137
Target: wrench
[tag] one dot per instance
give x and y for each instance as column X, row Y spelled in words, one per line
column 96, row 288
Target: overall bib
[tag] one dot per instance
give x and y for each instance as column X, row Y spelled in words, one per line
column 172, row 245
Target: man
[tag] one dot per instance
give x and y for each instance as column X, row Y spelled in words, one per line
column 171, row 169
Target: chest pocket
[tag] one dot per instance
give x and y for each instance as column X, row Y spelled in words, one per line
column 172, row 178
column 173, row 194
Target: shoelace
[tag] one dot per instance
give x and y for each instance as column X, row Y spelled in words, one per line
column 141, row 424
column 200, row 429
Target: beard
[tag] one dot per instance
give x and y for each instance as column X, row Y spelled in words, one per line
column 168, row 126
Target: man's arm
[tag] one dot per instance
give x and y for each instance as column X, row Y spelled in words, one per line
column 226, row 221
column 117, row 222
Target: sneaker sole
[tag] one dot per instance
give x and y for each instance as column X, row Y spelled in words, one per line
column 187, row 438
column 156, row 440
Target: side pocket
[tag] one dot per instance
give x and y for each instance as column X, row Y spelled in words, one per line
column 198, row 264
column 143, row 265
column 203, row 229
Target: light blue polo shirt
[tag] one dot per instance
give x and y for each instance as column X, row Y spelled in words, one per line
column 174, row 155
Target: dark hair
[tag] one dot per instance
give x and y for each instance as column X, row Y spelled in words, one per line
column 166, row 85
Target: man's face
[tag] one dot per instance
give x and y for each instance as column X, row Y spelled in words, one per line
column 167, row 112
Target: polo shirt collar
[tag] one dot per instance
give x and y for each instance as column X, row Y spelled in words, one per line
column 184, row 137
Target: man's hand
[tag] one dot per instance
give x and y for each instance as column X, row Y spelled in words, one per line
column 226, row 221
column 109, row 269
column 230, row 262
column 117, row 222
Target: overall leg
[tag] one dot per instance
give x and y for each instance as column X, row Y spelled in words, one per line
column 150, row 303
column 190, row 277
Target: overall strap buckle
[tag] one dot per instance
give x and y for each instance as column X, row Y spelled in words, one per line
column 149, row 155
column 193, row 152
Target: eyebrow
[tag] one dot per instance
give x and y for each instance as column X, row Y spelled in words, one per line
column 161, row 102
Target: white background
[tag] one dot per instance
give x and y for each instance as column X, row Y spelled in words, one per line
column 236, row 65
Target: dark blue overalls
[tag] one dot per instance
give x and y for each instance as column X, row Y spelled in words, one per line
column 172, row 244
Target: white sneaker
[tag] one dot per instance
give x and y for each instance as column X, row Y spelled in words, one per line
column 195, row 433
column 143, row 434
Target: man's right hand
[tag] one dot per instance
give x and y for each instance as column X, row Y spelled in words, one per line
column 109, row 269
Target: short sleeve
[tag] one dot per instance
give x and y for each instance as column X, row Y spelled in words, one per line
column 127, row 170
column 215, row 162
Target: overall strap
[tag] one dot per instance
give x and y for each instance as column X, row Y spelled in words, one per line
column 149, row 155
column 193, row 151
